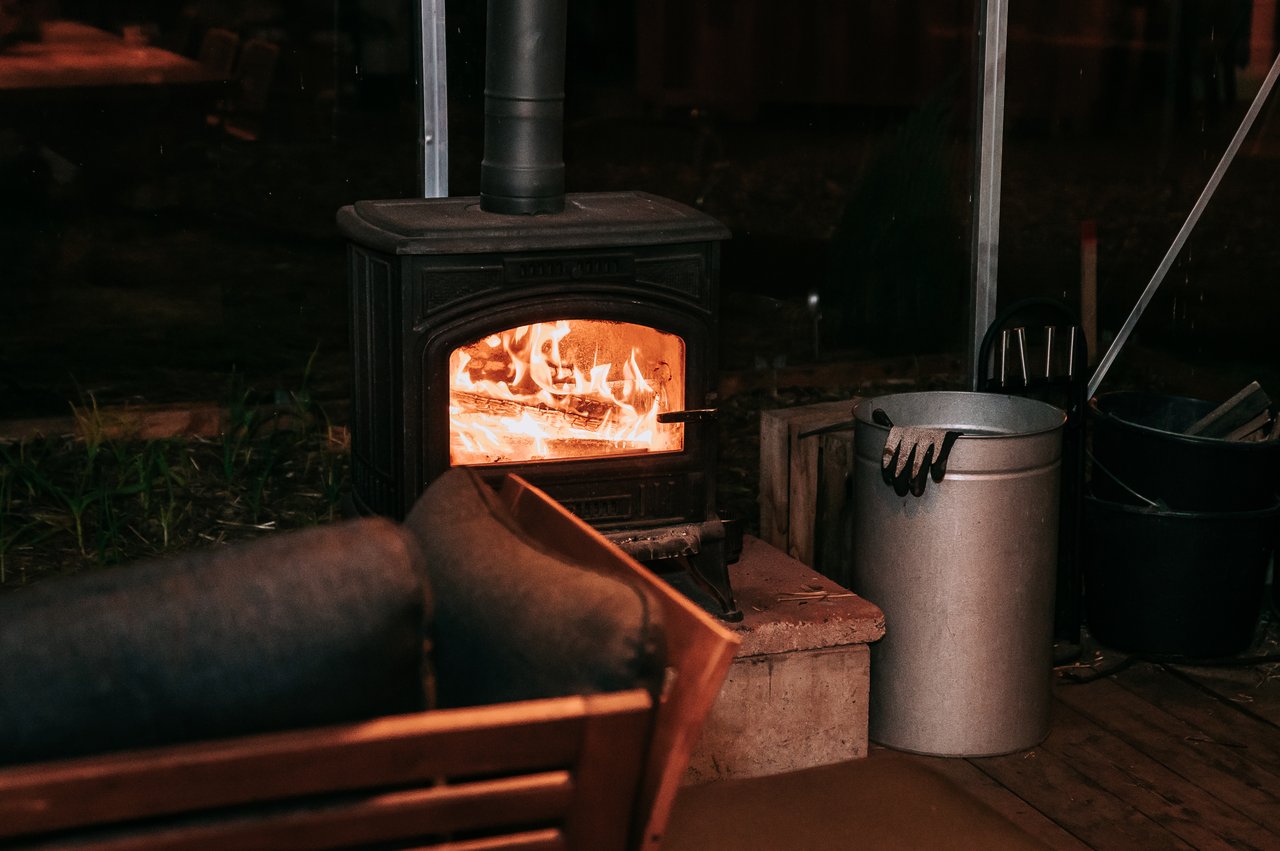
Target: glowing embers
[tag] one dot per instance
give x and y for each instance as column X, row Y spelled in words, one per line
column 574, row 388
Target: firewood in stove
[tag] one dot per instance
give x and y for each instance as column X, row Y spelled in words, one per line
column 578, row 411
column 587, row 446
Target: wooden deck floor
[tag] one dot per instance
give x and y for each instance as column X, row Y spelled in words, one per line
column 1154, row 756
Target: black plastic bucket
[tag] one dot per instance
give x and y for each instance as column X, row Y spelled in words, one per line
column 1175, row 583
column 1139, row 449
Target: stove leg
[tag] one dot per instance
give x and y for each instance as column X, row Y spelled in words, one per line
column 693, row 558
column 710, row 569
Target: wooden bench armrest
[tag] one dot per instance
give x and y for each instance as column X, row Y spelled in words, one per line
column 699, row 651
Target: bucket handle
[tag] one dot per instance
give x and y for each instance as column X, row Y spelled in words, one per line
column 1113, row 477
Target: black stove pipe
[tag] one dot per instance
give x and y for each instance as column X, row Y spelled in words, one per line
column 523, row 167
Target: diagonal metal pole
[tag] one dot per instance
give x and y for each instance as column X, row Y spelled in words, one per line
column 993, row 20
column 1181, row 239
column 433, row 137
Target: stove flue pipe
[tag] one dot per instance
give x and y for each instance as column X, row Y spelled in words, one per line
column 523, row 167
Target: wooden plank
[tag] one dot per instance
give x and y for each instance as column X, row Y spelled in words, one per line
column 833, row 527
column 548, row 839
column 1006, row 803
column 362, row 821
column 1219, row 722
column 1233, row 779
column 276, row 766
column 1181, row 806
column 789, row 474
column 1255, row 691
column 1073, row 800
column 1252, row 429
column 1234, row 412
column 606, row 777
column 775, row 478
column 803, row 488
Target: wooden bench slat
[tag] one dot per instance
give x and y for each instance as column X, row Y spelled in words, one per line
column 353, row 822
column 609, row 765
column 532, row 840
column 526, row 736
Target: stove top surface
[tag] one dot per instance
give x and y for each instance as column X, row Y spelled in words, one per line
column 590, row 220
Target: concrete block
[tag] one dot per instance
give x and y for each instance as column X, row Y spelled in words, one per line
column 796, row 694
column 786, row 711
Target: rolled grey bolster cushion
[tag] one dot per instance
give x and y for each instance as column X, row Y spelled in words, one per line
column 293, row 630
column 514, row 621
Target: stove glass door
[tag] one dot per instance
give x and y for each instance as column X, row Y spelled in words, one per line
column 571, row 388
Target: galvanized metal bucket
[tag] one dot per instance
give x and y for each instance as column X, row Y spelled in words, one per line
column 964, row 573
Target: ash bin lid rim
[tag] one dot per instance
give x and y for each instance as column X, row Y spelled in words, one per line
column 862, row 413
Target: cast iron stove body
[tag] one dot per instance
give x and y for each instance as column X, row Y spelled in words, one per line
column 445, row 296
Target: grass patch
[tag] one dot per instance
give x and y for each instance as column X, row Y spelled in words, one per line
column 102, row 497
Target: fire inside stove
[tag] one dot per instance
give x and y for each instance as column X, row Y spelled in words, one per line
column 572, row 388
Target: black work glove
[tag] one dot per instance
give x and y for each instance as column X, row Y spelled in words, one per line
column 913, row 454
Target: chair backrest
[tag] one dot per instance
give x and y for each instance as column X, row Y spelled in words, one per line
column 218, row 50
column 1034, row 345
column 1036, row 348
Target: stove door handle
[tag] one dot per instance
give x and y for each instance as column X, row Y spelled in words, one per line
column 693, row 415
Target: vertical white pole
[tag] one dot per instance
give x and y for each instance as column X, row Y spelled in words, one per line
column 993, row 18
column 433, row 139
column 1262, row 36
column 1089, row 286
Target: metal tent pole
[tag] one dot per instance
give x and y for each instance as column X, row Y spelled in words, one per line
column 993, row 18
column 433, row 136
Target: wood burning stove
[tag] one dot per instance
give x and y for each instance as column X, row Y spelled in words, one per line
column 569, row 339
column 576, row 350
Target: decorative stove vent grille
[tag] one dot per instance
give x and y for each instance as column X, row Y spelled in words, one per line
column 607, row 268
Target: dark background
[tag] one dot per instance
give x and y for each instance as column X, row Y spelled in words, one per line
column 150, row 257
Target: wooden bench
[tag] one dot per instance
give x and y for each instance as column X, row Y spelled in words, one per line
column 579, row 772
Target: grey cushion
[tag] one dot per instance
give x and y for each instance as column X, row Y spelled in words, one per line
column 296, row 629
column 515, row 621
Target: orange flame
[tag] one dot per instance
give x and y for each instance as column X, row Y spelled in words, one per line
column 565, row 389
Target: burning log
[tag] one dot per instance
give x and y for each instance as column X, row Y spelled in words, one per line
column 580, row 412
column 579, row 388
